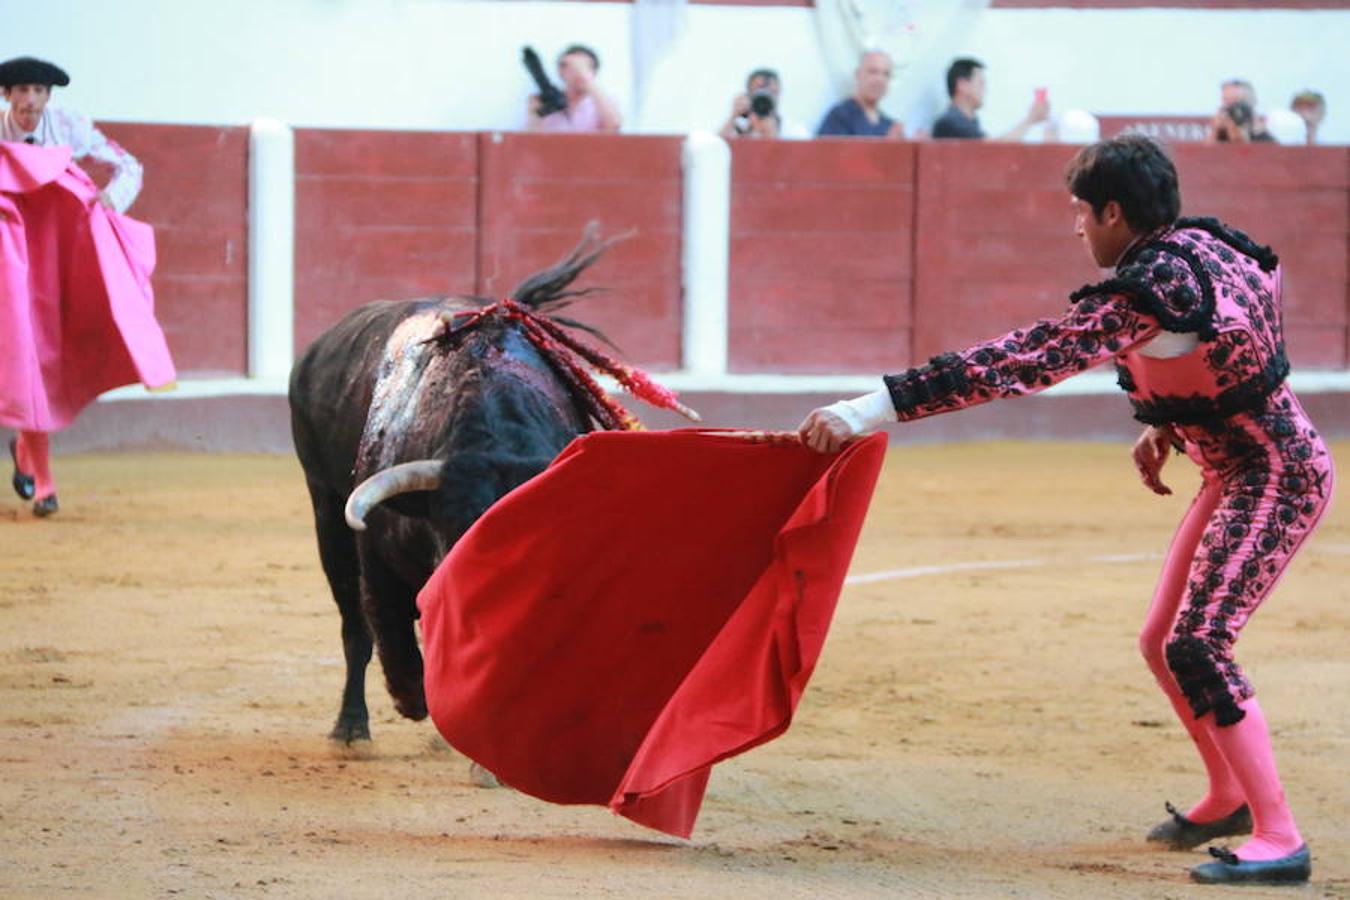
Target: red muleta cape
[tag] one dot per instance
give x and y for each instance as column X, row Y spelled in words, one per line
column 650, row 604
column 76, row 308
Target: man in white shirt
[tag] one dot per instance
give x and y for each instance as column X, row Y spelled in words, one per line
column 27, row 85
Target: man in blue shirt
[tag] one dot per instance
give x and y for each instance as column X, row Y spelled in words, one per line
column 965, row 87
column 861, row 115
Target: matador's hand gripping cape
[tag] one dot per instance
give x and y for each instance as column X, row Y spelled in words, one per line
column 650, row 604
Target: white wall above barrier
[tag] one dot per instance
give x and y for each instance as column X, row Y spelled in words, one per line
column 435, row 64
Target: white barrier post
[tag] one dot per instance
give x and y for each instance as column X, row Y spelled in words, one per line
column 706, row 159
column 271, row 250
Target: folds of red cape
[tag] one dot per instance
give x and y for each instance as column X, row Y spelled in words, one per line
column 76, row 306
column 650, row 604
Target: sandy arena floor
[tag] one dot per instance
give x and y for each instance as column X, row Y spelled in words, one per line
column 170, row 666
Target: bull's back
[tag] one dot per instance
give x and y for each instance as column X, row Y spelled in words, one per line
column 331, row 386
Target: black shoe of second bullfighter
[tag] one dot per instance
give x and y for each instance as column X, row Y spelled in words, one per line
column 23, row 483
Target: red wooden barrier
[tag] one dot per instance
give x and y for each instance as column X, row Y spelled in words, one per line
column 194, row 193
column 846, row 256
column 995, row 242
column 538, row 191
column 381, row 215
column 996, row 245
column 821, row 256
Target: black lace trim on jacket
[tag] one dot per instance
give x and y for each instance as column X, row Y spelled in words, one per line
column 1247, row 396
column 1199, row 318
column 1125, row 379
column 1238, row 240
column 943, row 376
column 1126, row 286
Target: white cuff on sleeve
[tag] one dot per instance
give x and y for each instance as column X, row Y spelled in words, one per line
column 865, row 413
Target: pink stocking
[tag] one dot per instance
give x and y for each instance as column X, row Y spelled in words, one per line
column 1225, row 794
column 1246, row 746
column 33, row 458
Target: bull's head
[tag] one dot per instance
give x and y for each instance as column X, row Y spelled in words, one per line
column 552, row 397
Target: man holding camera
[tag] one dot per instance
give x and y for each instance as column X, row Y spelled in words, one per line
column 1237, row 120
column 588, row 107
column 756, row 112
column 1233, row 124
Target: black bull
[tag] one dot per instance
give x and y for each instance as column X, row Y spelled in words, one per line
column 427, row 424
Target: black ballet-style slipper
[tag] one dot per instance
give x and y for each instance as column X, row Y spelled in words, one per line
column 46, row 506
column 1180, row 833
column 23, row 483
column 1228, row 869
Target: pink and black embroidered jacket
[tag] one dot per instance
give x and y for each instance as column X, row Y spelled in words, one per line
column 1198, row 277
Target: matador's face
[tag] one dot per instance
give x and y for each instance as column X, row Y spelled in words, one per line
column 1106, row 234
column 26, row 103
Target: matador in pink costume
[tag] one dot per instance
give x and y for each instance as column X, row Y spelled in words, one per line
column 1192, row 321
column 76, row 306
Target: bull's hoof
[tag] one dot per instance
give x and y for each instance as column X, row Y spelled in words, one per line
column 351, row 740
column 361, row 748
column 414, row 707
column 481, row 777
column 347, row 732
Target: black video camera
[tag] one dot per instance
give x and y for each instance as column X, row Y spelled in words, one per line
column 551, row 98
column 762, row 103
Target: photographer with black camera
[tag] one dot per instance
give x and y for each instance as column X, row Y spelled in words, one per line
column 1232, row 124
column 580, row 105
column 756, row 112
column 1238, row 119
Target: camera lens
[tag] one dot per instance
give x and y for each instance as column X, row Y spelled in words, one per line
column 761, row 103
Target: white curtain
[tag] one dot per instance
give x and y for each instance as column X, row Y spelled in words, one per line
column 657, row 25
column 922, row 37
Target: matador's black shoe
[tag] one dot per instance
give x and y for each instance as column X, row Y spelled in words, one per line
column 1228, row 869
column 1180, row 833
column 46, row 506
column 22, row 481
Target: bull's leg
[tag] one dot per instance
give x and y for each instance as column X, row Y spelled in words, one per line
column 391, row 608
column 337, row 552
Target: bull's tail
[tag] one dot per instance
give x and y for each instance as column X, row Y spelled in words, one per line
column 547, row 291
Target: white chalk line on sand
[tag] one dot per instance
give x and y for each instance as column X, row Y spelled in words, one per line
column 993, row 565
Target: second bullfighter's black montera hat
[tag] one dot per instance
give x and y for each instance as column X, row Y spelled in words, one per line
column 30, row 70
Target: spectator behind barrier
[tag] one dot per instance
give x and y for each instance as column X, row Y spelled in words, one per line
column 965, row 87
column 588, row 107
column 861, row 115
column 757, row 113
column 1240, row 90
column 1311, row 107
column 1232, row 124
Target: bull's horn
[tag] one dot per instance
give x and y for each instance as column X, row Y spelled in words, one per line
column 422, row 475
